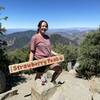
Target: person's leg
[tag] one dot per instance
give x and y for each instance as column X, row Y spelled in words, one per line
column 40, row 72
column 57, row 72
column 38, row 75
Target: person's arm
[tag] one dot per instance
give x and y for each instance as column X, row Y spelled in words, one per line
column 32, row 48
column 31, row 56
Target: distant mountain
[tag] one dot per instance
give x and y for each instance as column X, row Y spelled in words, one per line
column 18, row 39
column 13, row 30
column 22, row 38
column 71, row 30
column 59, row 39
column 59, row 30
column 72, row 33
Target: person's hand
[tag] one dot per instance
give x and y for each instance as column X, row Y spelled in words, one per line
column 54, row 53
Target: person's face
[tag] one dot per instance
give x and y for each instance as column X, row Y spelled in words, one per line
column 43, row 28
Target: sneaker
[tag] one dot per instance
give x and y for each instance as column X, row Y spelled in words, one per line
column 61, row 82
column 58, row 83
column 44, row 83
column 43, row 80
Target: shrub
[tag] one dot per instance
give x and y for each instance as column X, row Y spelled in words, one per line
column 89, row 57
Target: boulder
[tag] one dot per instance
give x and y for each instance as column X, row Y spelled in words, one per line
column 72, row 89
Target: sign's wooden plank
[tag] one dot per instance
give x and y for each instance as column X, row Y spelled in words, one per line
column 36, row 63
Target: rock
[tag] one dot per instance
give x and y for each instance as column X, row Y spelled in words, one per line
column 96, row 96
column 72, row 89
column 9, row 94
column 47, row 94
column 73, row 72
column 95, row 85
column 95, row 88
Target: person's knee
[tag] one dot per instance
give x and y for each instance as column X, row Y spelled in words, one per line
column 60, row 70
column 57, row 69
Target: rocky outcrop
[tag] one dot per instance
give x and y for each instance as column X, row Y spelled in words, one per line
column 95, row 88
column 73, row 88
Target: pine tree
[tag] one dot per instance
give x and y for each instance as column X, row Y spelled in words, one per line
column 90, row 55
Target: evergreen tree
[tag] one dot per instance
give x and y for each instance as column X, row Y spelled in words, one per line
column 3, row 55
column 69, row 51
column 90, row 55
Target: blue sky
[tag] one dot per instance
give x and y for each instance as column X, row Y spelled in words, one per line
column 58, row 13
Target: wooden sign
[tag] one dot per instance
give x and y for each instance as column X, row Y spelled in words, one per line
column 36, row 63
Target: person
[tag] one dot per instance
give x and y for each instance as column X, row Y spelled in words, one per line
column 40, row 47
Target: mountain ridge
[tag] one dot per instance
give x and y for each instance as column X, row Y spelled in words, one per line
column 21, row 39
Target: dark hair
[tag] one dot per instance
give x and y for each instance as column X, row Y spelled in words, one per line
column 39, row 24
